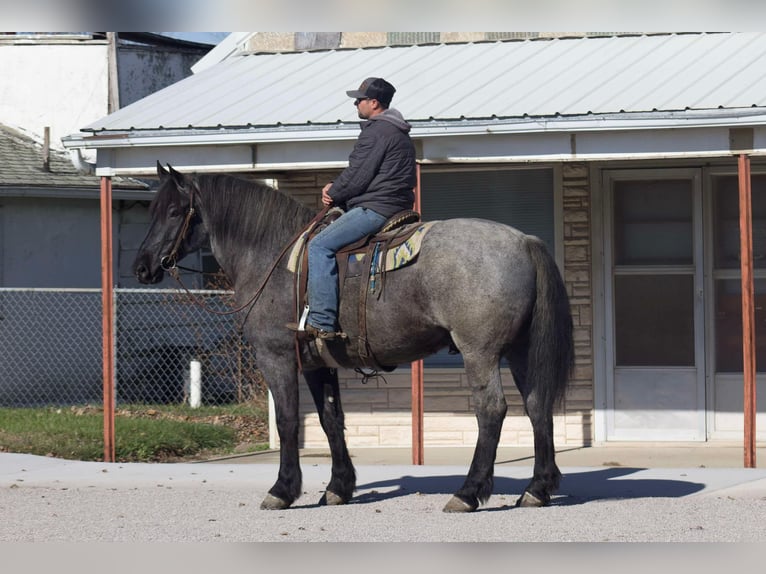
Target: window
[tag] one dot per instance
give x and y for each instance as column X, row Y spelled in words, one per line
column 653, row 227
column 728, row 282
column 521, row 198
column 653, row 223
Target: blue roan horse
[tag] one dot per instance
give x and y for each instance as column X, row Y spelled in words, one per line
column 481, row 287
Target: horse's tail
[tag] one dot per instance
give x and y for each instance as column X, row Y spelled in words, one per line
column 551, row 348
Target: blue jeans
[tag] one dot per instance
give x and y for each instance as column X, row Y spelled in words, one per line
column 323, row 270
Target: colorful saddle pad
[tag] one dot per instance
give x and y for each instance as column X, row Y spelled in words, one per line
column 395, row 257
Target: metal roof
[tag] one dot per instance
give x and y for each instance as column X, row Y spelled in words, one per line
column 508, row 81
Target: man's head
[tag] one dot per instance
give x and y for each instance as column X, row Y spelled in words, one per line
column 373, row 96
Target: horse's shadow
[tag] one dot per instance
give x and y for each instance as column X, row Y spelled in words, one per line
column 575, row 488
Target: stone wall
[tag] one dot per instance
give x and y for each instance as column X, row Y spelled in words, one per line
column 379, row 413
column 577, row 276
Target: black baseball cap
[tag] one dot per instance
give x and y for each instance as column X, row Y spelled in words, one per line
column 374, row 88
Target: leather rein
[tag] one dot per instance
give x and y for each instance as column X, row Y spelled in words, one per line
column 169, row 262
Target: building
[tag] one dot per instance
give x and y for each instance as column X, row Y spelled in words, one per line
column 61, row 81
column 620, row 151
column 50, row 200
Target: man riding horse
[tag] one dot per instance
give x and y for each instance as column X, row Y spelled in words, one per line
column 377, row 184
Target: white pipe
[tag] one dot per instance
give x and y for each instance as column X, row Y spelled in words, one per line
column 195, row 384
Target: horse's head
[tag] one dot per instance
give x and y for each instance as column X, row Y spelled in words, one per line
column 175, row 228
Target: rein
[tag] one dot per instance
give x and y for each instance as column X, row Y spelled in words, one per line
column 169, row 264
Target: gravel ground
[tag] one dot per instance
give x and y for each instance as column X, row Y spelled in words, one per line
column 50, row 500
column 167, row 515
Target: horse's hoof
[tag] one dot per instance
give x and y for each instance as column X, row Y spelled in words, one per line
column 458, row 505
column 332, row 499
column 529, row 500
column 271, row 502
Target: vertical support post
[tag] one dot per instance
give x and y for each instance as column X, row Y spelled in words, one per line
column 113, row 101
column 748, row 307
column 417, row 412
column 47, row 148
column 195, row 384
column 417, row 378
column 107, row 302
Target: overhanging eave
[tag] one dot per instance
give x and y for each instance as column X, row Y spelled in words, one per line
column 618, row 137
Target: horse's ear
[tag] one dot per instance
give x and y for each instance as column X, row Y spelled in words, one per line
column 161, row 171
column 178, row 178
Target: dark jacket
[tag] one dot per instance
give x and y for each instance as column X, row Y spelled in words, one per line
column 381, row 168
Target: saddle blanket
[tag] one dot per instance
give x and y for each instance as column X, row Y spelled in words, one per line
column 396, row 257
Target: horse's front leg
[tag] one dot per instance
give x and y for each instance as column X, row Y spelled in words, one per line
column 323, row 384
column 283, row 383
column 490, row 406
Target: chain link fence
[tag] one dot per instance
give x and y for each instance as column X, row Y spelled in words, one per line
column 51, row 347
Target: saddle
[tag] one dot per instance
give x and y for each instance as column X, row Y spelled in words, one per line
column 365, row 262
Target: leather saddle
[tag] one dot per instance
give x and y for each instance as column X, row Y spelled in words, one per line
column 364, row 263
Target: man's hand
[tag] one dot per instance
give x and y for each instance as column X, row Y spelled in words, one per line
column 326, row 199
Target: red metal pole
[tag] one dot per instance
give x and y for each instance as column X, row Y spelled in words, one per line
column 748, row 307
column 417, row 379
column 107, row 291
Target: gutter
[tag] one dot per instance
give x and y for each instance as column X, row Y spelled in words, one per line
column 420, row 129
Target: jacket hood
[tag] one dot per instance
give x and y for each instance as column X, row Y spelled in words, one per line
column 393, row 116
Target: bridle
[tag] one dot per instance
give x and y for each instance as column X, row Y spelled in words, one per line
column 169, row 262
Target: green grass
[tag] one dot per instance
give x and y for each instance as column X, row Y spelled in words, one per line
column 145, row 433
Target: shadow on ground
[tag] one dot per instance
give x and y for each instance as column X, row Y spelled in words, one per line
column 576, row 487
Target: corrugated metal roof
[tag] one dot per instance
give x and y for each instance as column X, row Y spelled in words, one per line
column 497, row 80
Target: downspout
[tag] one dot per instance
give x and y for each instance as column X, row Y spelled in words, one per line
column 80, row 163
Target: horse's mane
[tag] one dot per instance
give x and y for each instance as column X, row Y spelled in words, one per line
column 250, row 211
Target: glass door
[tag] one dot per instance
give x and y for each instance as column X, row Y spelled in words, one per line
column 654, row 307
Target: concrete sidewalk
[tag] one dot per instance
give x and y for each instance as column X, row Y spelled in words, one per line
column 589, row 473
column 629, row 455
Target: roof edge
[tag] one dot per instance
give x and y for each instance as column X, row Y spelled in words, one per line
column 621, row 121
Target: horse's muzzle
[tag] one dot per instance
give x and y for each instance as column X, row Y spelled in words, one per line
column 146, row 276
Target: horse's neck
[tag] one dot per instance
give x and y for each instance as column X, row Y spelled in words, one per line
column 257, row 242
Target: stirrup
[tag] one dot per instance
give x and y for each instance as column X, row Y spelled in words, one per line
column 312, row 332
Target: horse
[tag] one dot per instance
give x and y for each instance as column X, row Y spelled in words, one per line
column 483, row 288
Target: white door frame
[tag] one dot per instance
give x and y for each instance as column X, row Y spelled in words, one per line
column 603, row 180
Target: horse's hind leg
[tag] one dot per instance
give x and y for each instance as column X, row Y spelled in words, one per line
column 323, row 384
column 490, row 406
column 546, row 475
